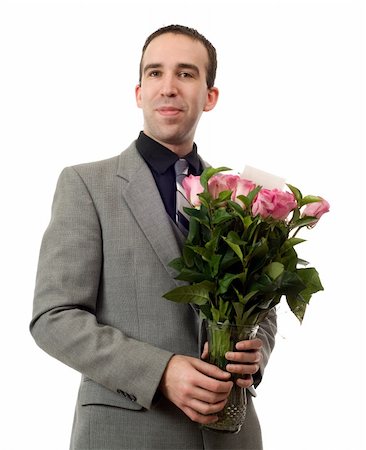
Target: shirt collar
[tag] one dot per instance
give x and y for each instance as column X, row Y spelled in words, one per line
column 160, row 158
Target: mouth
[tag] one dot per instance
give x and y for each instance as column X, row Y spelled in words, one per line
column 168, row 111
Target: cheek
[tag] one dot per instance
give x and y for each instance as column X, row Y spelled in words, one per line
column 143, row 95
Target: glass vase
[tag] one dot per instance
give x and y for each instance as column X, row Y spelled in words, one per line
column 221, row 339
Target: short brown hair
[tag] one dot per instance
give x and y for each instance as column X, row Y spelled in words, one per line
column 194, row 34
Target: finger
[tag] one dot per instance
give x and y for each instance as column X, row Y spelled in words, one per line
column 214, row 386
column 249, row 357
column 245, row 382
column 208, row 377
column 243, row 369
column 210, row 370
column 206, row 396
column 206, row 409
column 251, row 344
column 199, row 418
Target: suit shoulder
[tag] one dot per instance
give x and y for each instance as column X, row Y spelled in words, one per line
column 96, row 167
column 103, row 168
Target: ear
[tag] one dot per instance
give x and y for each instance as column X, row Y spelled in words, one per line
column 138, row 95
column 212, row 97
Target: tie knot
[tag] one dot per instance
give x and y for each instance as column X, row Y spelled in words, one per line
column 181, row 167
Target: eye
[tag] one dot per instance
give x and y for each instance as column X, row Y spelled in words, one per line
column 154, row 73
column 185, row 75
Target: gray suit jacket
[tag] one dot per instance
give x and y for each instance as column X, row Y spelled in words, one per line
column 98, row 307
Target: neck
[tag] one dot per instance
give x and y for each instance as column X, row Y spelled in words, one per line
column 180, row 150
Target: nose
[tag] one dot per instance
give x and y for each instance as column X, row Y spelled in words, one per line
column 168, row 86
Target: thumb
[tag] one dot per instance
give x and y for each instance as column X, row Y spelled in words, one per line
column 205, row 351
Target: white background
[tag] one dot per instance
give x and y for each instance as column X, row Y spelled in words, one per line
column 291, row 77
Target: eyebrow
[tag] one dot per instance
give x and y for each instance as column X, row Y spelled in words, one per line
column 180, row 66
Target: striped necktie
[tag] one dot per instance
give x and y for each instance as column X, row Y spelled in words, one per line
column 181, row 171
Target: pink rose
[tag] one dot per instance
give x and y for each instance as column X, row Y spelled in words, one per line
column 220, row 182
column 316, row 209
column 192, row 187
column 273, row 203
column 216, row 184
column 243, row 187
column 238, row 186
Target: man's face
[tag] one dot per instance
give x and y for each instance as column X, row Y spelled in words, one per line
column 173, row 92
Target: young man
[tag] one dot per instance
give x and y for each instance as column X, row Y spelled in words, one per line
column 103, row 269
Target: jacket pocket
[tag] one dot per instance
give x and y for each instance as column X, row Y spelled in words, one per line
column 92, row 393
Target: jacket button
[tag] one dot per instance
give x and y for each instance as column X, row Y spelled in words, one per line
column 126, row 395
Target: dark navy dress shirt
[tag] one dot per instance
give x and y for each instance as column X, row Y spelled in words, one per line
column 161, row 162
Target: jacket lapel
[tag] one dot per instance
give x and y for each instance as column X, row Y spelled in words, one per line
column 144, row 201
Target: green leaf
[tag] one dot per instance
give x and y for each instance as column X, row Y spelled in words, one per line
column 252, row 194
column 205, row 311
column 177, row 264
column 236, row 208
column 215, row 314
column 210, row 247
column 199, row 293
column 234, row 237
column 226, row 281
column 248, row 296
column 296, row 192
column 289, row 243
column 297, row 306
column 259, row 255
column 268, row 303
column 205, row 198
column 194, row 230
column 274, row 270
column 224, row 196
column 231, row 241
column 191, row 275
column 310, row 199
column 295, row 216
column 205, row 253
column 310, row 278
column 220, row 216
column 263, row 284
column 304, row 221
column 245, row 200
column 248, row 220
column 291, row 283
column 190, row 211
column 244, row 300
column 289, row 259
column 239, row 309
column 215, row 265
column 229, row 259
column 188, row 256
column 250, row 316
column 200, row 215
column 224, row 309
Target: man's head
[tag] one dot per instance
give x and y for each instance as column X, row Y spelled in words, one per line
column 173, row 90
column 194, row 34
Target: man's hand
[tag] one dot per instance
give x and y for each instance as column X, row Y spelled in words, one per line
column 199, row 389
column 245, row 361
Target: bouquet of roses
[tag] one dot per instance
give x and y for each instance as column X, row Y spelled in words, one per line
column 239, row 256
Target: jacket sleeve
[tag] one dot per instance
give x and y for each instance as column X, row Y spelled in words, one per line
column 64, row 320
column 266, row 332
